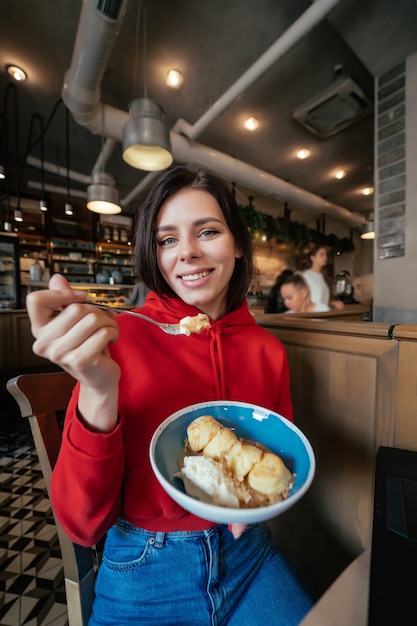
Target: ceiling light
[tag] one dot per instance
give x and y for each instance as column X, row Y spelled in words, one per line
column 339, row 174
column 102, row 195
column 304, row 153
column 174, row 79
column 16, row 72
column 42, row 205
column 252, row 123
column 18, row 216
column 368, row 229
column 145, row 137
column 367, row 191
column 2, row 172
column 68, row 209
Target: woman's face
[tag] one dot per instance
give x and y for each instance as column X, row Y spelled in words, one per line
column 319, row 260
column 196, row 250
column 294, row 298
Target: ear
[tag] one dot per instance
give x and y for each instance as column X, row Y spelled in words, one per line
column 238, row 253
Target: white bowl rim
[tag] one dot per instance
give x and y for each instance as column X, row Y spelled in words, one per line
column 227, row 515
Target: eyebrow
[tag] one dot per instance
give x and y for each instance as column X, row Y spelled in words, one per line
column 199, row 222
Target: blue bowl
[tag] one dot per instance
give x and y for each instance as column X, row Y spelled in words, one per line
column 249, row 421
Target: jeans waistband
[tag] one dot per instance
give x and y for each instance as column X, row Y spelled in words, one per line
column 159, row 537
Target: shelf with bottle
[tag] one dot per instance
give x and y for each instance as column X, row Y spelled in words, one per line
column 100, row 293
column 74, row 258
column 33, row 246
column 114, row 253
column 114, row 262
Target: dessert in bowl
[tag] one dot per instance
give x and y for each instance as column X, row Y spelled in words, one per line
column 251, row 424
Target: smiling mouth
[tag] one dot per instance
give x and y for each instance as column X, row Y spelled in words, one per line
column 195, row 276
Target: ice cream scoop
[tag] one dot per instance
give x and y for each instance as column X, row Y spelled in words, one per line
column 204, row 480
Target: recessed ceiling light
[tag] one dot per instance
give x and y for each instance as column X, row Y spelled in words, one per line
column 367, row 191
column 16, row 72
column 304, row 153
column 251, row 123
column 339, row 174
column 174, row 79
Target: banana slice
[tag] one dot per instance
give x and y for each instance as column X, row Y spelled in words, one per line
column 241, row 457
column 270, row 475
column 221, row 442
column 201, row 431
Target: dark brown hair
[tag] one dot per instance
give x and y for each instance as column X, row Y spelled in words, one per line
column 145, row 248
column 295, row 279
column 313, row 251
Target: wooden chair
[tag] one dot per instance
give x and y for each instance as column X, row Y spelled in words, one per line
column 41, row 399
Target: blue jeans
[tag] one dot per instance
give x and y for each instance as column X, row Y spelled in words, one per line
column 195, row 579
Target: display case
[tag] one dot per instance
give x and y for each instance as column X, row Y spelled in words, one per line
column 105, row 293
column 31, row 248
column 10, row 297
column 75, row 259
column 114, row 260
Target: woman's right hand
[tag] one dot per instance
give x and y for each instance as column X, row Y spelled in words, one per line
column 76, row 338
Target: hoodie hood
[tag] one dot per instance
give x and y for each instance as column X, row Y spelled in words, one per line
column 171, row 310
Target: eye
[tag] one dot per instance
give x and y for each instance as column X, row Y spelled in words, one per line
column 209, row 232
column 168, row 241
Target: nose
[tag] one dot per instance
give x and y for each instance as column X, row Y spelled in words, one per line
column 188, row 250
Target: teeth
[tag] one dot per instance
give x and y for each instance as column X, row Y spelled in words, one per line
column 194, row 276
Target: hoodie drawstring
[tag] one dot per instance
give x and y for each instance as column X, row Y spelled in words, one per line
column 217, row 363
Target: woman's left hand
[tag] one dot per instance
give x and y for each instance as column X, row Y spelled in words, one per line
column 237, row 529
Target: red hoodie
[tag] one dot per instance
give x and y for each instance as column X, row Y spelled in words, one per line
column 100, row 477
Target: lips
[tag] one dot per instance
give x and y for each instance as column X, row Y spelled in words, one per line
column 195, row 275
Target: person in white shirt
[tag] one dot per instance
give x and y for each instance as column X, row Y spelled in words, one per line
column 296, row 296
column 319, row 289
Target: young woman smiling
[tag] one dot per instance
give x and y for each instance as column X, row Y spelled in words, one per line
column 161, row 564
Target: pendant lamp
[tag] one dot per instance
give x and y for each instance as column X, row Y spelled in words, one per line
column 68, row 206
column 102, row 195
column 145, row 135
column 368, row 229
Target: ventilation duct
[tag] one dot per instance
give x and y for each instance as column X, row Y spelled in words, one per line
column 110, row 8
column 343, row 104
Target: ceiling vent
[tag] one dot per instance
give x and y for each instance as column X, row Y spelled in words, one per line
column 343, row 104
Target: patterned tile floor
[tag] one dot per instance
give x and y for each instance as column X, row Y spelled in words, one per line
column 31, row 576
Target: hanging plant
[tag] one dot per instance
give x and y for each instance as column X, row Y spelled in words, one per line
column 292, row 232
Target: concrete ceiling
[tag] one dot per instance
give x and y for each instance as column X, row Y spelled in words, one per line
column 213, row 44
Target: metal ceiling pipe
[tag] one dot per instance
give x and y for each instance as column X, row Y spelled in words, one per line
column 58, row 170
column 96, row 36
column 187, row 151
column 306, row 22
column 60, row 191
column 104, row 156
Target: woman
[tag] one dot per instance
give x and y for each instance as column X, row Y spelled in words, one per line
column 162, row 565
column 319, row 289
column 296, row 296
column 275, row 303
